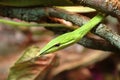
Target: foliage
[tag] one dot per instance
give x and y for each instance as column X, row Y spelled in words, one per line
column 33, row 65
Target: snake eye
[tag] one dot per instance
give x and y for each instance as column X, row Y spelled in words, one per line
column 57, row 45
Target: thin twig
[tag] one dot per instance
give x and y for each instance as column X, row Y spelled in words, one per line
column 9, row 22
column 79, row 20
column 35, row 14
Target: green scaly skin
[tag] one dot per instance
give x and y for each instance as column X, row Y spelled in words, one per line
column 28, row 3
column 61, row 41
column 69, row 38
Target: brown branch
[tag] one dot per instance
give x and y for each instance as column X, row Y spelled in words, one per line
column 107, row 6
column 98, row 44
column 36, row 14
column 112, row 37
column 107, row 34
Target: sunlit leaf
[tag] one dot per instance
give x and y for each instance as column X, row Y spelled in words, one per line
column 79, row 9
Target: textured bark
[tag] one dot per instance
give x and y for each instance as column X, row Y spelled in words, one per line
column 108, row 6
column 36, row 14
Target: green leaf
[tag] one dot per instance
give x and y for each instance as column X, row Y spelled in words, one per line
column 31, row 66
column 29, row 54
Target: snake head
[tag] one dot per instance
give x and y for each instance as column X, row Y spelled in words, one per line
column 58, row 43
